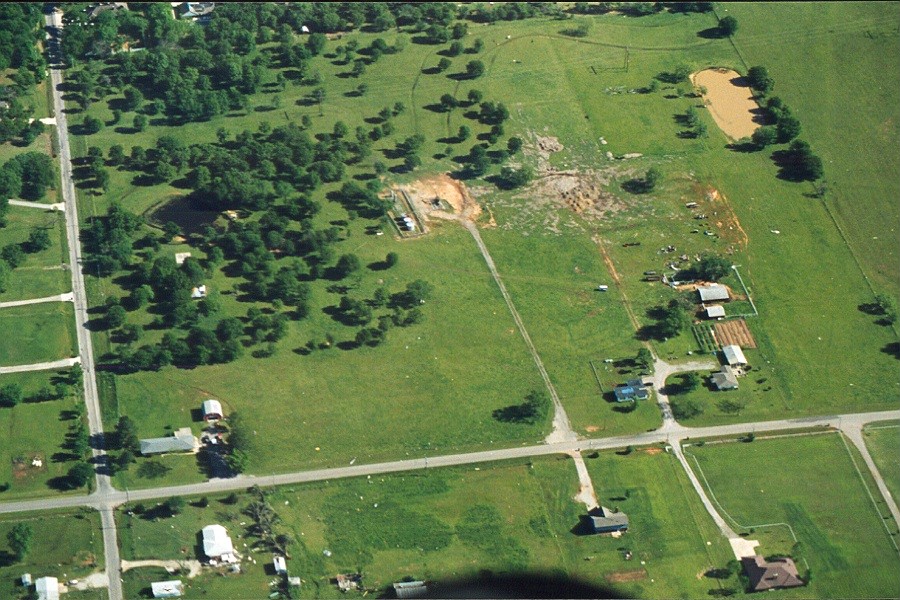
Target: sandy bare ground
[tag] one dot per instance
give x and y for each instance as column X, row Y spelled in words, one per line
column 449, row 190
column 730, row 102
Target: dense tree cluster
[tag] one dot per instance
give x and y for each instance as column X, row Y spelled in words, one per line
column 20, row 30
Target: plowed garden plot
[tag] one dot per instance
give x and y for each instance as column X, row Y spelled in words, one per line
column 734, row 332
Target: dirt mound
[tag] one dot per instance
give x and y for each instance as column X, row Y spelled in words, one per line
column 731, row 104
column 443, row 197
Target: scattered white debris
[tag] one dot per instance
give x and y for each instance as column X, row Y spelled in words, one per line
column 775, row 231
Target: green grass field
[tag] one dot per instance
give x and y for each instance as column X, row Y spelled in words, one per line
column 420, row 525
column 813, row 340
column 34, row 429
column 41, row 273
column 820, row 495
column 883, row 441
column 43, row 332
column 65, row 545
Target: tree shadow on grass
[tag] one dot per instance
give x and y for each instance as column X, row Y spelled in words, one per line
column 892, row 349
column 712, row 33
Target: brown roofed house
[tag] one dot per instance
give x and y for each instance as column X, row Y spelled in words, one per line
column 770, row 575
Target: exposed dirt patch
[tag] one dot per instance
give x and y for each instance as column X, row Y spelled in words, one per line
column 623, row 576
column 591, row 428
column 734, row 331
column 652, row 451
column 443, row 197
column 730, row 102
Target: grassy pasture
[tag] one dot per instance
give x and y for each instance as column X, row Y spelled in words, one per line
column 820, row 495
column 883, row 441
column 42, row 332
column 849, row 105
column 423, row 525
column 39, row 275
column 69, row 555
column 430, row 389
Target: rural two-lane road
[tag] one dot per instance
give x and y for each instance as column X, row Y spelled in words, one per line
column 85, row 346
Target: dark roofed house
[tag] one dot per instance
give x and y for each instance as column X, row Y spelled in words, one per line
column 775, row 574
column 607, row 521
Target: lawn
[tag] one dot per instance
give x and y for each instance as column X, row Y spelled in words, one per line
column 883, row 441
column 452, row 524
column 41, row 273
column 820, row 495
column 42, row 332
column 35, row 429
column 65, row 545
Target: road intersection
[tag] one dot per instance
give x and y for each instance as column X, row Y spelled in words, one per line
column 106, row 498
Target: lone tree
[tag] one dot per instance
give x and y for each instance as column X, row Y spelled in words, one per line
column 19, row 538
column 728, row 26
column 80, row 475
column 474, row 68
column 644, row 359
column 712, row 267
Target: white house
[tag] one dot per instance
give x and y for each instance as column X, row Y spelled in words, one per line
column 217, row 544
column 47, row 588
column 167, row 589
column 734, row 356
column 212, row 410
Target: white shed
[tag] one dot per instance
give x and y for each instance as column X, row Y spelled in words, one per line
column 212, row 410
column 167, row 589
column 713, row 293
column 280, row 565
column 715, row 311
column 734, row 355
column 47, row 588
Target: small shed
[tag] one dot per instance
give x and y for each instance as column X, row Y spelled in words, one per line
column 280, row 565
column 713, row 293
column 715, row 311
column 198, row 292
column 734, row 356
column 725, row 379
column 26, row 580
column 410, row 589
column 212, row 410
column 181, row 256
column 167, row 589
column 47, row 588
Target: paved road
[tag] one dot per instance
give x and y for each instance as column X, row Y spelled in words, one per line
column 63, row 363
column 85, row 347
column 27, row 204
column 854, row 432
column 109, row 498
column 67, row 297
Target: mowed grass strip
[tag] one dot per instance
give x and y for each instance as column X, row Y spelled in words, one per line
column 451, row 524
column 810, row 483
column 37, row 333
column 65, row 545
column 41, row 273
